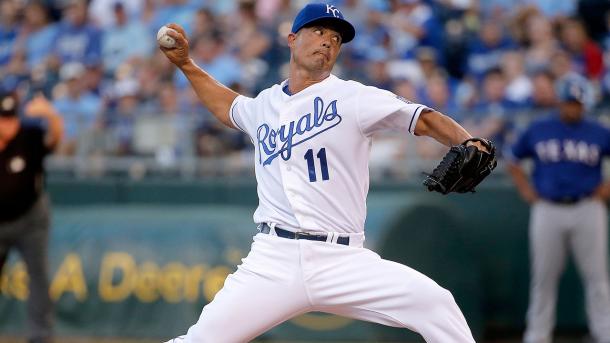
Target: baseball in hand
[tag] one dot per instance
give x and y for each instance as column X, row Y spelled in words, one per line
column 164, row 39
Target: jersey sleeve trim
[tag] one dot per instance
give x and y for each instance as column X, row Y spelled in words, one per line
column 415, row 118
column 232, row 113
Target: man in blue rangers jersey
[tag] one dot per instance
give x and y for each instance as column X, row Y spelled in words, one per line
column 568, row 198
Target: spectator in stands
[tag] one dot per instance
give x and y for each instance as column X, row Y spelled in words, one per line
column 356, row 11
column 519, row 86
column 40, row 81
column 491, row 7
column 208, row 142
column 173, row 11
column 77, row 40
column 274, row 12
column 543, row 97
column 168, row 124
column 606, row 39
column 427, row 60
column 585, row 53
column 168, row 100
column 249, row 41
column 374, row 33
column 79, row 108
column 438, row 95
column 125, row 40
column 490, row 116
column 213, row 140
column 149, row 10
column 455, row 48
column 541, row 43
column 377, row 69
column 413, row 24
column 103, row 12
column 519, row 24
column 405, row 88
column 39, row 33
column 372, row 36
column 8, row 39
column 151, row 75
column 119, row 121
column 553, row 8
column 486, row 50
column 210, row 52
column 16, row 71
column 204, row 22
column 94, row 81
column 8, row 31
column 24, row 218
column 561, row 64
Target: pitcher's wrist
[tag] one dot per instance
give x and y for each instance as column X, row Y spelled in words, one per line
column 187, row 63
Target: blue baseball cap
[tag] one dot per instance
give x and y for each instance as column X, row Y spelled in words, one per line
column 324, row 12
column 573, row 88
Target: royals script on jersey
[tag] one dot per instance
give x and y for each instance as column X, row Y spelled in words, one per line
column 312, row 150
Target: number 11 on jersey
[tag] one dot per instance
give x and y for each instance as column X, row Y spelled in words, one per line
column 311, row 166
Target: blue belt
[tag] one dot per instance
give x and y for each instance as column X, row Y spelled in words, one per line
column 264, row 228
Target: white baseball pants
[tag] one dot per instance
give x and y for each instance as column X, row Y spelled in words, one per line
column 283, row 278
column 555, row 230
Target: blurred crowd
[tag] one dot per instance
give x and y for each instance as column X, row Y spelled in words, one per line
column 481, row 62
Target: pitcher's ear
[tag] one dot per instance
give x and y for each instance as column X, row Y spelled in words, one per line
column 291, row 38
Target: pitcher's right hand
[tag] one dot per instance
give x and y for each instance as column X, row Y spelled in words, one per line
column 179, row 54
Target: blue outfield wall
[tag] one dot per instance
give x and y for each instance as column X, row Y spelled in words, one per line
column 141, row 260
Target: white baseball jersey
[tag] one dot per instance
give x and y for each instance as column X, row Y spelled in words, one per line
column 311, row 157
column 312, row 150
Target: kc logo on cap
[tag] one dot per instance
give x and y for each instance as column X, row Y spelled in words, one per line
column 330, row 9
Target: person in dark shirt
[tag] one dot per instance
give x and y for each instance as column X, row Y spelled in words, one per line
column 568, row 196
column 24, row 206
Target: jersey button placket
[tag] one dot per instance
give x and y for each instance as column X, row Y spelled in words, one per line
column 288, row 182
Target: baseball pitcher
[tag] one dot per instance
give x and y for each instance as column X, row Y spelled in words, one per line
column 312, row 138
